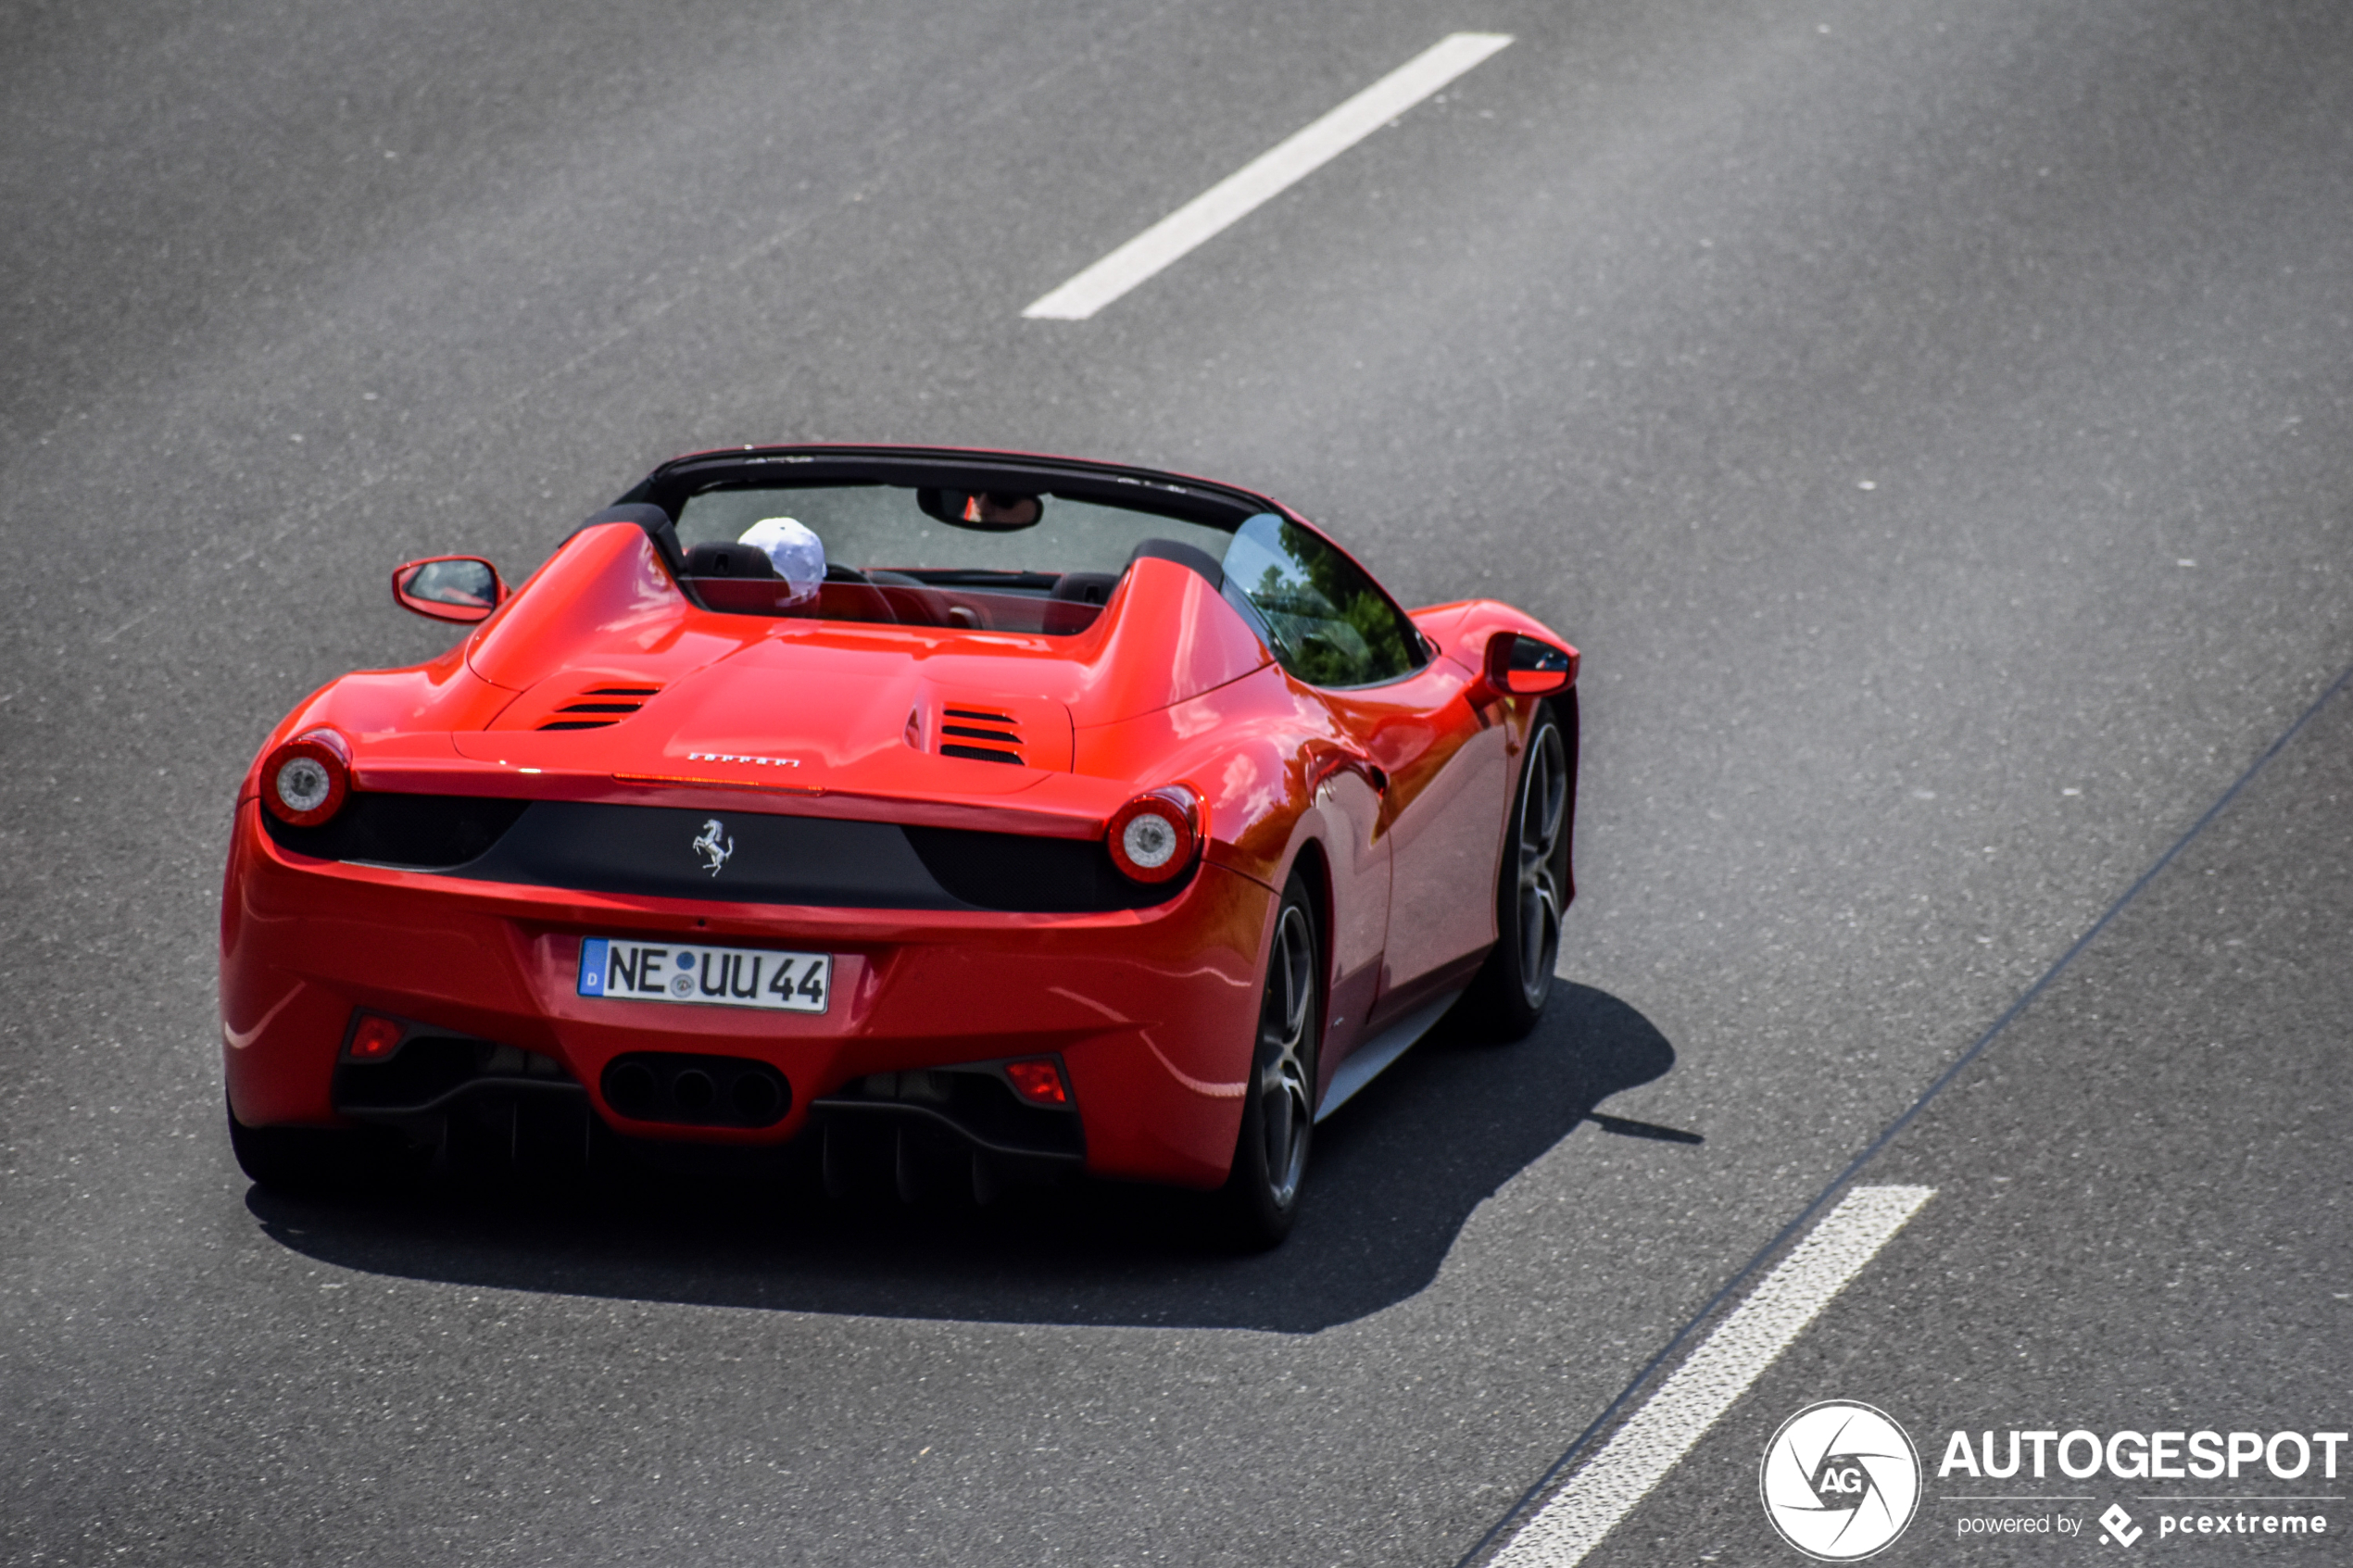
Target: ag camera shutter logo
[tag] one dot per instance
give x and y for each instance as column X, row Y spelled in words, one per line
column 1840, row 1481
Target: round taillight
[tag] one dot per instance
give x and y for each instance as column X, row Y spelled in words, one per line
column 1153, row 837
column 304, row 780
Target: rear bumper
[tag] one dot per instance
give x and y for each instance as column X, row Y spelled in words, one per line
column 1151, row 1011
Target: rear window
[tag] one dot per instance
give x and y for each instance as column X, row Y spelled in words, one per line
column 894, row 554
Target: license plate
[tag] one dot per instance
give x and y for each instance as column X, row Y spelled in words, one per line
column 732, row 977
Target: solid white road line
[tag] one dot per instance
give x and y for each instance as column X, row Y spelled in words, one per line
column 1266, row 177
column 1663, row 1430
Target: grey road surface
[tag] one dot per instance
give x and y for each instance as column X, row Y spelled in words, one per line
column 1932, row 423
column 2143, row 1223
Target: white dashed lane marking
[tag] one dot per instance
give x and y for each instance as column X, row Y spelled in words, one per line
column 1267, row 176
column 1664, row 1429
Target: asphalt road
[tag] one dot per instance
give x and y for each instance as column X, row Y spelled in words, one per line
column 1932, row 424
column 2143, row 1221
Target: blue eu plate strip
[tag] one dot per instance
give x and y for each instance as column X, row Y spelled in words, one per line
column 592, row 966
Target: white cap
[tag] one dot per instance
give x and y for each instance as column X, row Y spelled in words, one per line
column 799, row 554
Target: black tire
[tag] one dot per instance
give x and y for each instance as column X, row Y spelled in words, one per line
column 301, row 1160
column 1507, row 995
column 1279, row 1111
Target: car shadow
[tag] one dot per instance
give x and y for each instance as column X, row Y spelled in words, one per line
column 1395, row 1174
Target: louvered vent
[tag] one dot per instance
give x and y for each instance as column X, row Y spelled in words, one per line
column 597, row 706
column 979, row 735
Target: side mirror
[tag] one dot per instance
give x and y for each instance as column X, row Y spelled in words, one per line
column 461, row 588
column 1524, row 667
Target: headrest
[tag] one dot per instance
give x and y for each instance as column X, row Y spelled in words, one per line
column 1084, row 587
column 729, row 560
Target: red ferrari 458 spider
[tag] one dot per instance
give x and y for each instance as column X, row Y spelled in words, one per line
column 973, row 815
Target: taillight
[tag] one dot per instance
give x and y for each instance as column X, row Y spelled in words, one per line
column 1038, row 1081
column 375, row 1037
column 303, row 781
column 1153, row 837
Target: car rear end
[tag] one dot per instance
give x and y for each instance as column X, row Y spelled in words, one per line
column 1015, row 995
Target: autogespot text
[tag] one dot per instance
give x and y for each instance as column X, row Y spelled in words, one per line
column 2146, row 1456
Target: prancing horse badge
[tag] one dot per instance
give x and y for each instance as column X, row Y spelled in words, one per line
column 714, row 844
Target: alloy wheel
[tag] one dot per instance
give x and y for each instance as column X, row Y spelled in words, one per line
column 1286, row 1022
column 1543, row 807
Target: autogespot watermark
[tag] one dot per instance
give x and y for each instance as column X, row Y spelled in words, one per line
column 2204, row 1454
column 1840, row 1482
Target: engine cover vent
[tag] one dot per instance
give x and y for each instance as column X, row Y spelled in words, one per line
column 980, row 736
column 984, row 726
column 562, row 706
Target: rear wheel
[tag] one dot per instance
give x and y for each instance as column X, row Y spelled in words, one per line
column 1509, row 993
column 1279, row 1111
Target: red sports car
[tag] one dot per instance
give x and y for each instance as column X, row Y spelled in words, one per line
column 974, row 815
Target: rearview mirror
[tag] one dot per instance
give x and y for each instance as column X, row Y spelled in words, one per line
column 1524, row 667
column 988, row 511
column 460, row 588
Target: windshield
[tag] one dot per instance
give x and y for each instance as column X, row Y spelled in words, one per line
column 897, row 554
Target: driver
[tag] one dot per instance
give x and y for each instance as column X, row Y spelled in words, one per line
column 794, row 550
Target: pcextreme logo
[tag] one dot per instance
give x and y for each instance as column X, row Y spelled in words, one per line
column 1840, row 1481
column 2116, row 1525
